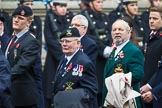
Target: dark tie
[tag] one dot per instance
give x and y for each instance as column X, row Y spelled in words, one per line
column 63, row 65
column 13, row 41
column 113, row 52
column 152, row 35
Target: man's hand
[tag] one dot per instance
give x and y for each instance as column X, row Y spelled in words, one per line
column 144, row 89
column 147, row 97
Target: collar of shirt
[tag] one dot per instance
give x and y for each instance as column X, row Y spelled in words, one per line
column 153, row 32
column 70, row 57
column 1, row 33
column 21, row 33
column 120, row 47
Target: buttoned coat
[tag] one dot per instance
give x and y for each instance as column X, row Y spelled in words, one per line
column 54, row 51
column 22, row 56
column 132, row 60
column 87, row 80
column 152, row 56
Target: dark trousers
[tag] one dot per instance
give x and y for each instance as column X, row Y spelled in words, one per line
column 30, row 106
column 147, row 105
column 5, row 100
column 48, row 103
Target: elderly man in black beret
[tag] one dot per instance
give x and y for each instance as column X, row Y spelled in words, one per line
column 75, row 75
column 21, row 52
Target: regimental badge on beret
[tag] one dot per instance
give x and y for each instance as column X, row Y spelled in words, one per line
column 68, row 33
column 22, row 13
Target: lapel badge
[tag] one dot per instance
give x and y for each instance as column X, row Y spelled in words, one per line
column 160, row 33
column 69, row 85
column 15, row 53
column 17, row 45
column 119, row 68
column 80, row 70
column 67, row 69
column 75, row 70
column 121, row 54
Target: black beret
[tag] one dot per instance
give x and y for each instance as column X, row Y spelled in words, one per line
column 2, row 19
column 70, row 32
column 126, row 2
column 86, row 1
column 23, row 11
column 22, row 1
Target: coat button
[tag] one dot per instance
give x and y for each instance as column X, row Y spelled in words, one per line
column 53, row 82
column 53, row 94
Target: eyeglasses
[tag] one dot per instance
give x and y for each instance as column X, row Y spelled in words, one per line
column 67, row 41
column 76, row 25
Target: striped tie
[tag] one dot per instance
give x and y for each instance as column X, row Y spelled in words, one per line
column 13, row 41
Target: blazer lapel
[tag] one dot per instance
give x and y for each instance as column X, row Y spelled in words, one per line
column 110, row 63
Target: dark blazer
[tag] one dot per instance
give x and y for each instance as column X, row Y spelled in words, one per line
column 4, row 39
column 156, row 84
column 89, row 48
column 54, row 50
column 5, row 76
column 22, row 56
column 152, row 56
column 131, row 61
column 66, row 80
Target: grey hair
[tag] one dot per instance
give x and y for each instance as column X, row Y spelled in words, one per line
column 82, row 19
column 128, row 28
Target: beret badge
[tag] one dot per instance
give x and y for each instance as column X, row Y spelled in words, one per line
column 22, row 13
column 68, row 33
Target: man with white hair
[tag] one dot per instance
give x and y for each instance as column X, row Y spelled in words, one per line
column 125, row 57
column 89, row 46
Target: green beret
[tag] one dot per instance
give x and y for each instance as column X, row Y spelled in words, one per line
column 70, row 32
column 23, row 11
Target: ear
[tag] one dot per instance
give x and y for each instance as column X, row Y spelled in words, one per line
column 79, row 43
column 90, row 3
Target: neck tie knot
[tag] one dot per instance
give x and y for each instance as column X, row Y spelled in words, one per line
column 13, row 41
column 152, row 35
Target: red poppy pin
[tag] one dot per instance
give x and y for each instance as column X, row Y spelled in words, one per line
column 70, row 67
column 121, row 54
column 160, row 33
column 17, row 45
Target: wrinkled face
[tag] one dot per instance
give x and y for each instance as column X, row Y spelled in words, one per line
column 77, row 23
column 29, row 4
column 155, row 21
column 96, row 5
column 157, row 3
column 60, row 10
column 132, row 9
column 69, row 45
column 120, row 32
column 20, row 23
